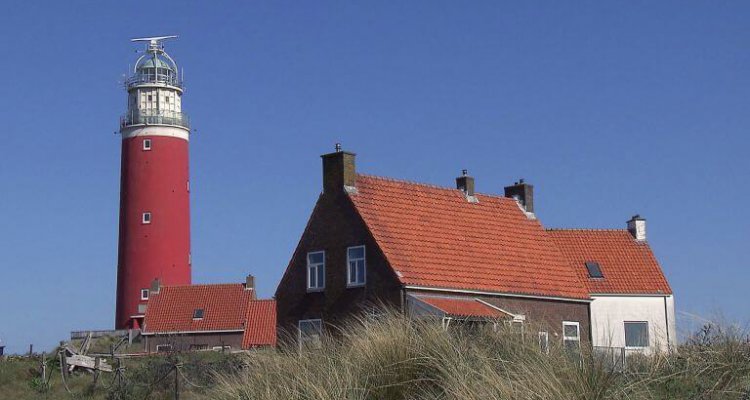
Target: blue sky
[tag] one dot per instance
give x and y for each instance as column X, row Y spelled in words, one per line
column 608, row 108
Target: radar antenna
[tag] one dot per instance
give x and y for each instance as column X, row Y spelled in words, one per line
column 154, row 42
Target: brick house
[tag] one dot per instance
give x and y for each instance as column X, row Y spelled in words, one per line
column 448, row 253
column 208, row 317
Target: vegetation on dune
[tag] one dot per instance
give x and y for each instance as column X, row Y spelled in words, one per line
column 395, row 358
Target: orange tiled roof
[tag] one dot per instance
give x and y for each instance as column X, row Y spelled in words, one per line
column 434, row 237
column 261, row 324
column 466, row 307
column 628, row 266
column 171, row 310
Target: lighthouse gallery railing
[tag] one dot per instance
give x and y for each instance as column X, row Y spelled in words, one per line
column 154, row 117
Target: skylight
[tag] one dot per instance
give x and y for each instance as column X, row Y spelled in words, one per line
column 198, row 313
column 594, row 270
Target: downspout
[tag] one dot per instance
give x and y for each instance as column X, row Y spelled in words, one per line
column 666, row 323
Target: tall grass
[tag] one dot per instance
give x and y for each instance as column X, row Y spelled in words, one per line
column 397, row 358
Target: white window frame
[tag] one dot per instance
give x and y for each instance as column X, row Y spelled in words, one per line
column 544, row 342
column 146, row 217
column 573, row 338
column 319, row 285
column 349, row 281
column 144, row 294
column 302, row 341
column 648, row 334
column 146, row 144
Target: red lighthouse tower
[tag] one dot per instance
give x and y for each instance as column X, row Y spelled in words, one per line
column 155, row 187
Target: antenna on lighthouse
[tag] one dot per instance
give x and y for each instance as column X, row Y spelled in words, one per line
column 154, row 41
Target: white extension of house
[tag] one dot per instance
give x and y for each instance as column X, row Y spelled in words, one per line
column 636, row 323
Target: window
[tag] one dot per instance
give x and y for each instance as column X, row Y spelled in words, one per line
column 221, row 348
column 146, row 218
column 594, row 270
column 572, row 335
column 636, row 334
column 163, row 347
column 316, row 270
column 144, row 294
column 150, row 98
column 544, row 342
column 198, row 347
column 198, row 313
column 355, row 257
column 146, row 144
column 310, row 332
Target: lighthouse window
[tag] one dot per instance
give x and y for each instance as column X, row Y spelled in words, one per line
column 146, row 144
column 146, row 219
column 144, row 294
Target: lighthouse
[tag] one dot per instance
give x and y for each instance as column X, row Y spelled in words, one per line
column 154, row 234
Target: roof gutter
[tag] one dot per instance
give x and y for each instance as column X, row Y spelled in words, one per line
column 480, row 292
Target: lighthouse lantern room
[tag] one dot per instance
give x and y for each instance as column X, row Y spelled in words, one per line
column 154, row 236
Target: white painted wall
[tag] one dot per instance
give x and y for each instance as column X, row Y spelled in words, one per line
column 609, row 313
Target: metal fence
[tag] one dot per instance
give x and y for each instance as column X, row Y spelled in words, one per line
column 154, row 117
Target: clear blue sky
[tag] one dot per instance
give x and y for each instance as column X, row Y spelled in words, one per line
column 609, row 108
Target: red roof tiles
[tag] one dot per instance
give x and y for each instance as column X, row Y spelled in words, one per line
column 226, row 307
column 261, row 324
column 464, row 307
column 628, row 266
column 434, row 237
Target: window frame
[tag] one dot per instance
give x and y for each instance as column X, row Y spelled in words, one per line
column 146, row 218
column 196, row 312
column 625, row 334
column 319, row 286
column 349, row 282
column 576, row 338
column 147, row 144
column 598, row 269
column 300, row 340
column 164, row 348
column 147, row 293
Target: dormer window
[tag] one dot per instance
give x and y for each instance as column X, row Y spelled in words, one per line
column 198, row 313
column 594, row 270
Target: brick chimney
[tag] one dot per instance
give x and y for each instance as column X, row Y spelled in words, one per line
column 250, row 284
column 637, row 227
column 523, row 193
column 465, row 183
column 339, row 172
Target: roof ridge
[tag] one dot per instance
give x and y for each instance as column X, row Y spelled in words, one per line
column 429, row 185
column 202, row 284
column 263, row 300
column 587, row 229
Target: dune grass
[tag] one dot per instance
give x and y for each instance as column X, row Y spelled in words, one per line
column 395, row 358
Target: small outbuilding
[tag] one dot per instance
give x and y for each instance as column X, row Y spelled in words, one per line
column 208, row 317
